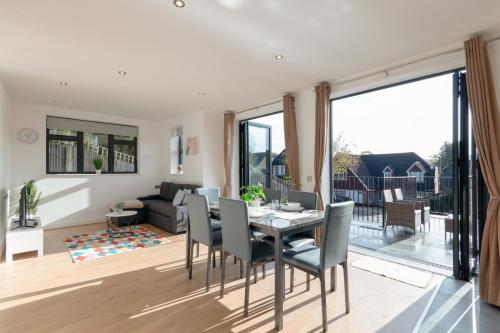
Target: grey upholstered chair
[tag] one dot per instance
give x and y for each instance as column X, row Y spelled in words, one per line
column 202, row 232
column 236, row 240
column 212, row 193
column 333, row 252
column 308, row 200
column 272, row 194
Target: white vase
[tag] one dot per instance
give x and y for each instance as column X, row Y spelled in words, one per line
column 255, row 203
column 98, row 172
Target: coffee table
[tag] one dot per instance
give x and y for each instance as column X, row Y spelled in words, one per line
column 113, row 223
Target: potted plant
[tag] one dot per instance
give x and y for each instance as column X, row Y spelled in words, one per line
column 98, row 165
column 33, row 196
column 253, row 194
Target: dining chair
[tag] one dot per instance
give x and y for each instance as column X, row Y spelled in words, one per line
column 236, row 240
column 272, row 194
column 308, row 200
column 202, row 232
column 212, row 193
column 332, row 252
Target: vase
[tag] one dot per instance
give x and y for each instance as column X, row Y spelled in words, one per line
column 98, row 172
column 255, row 203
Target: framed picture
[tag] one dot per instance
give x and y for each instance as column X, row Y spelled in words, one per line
column 193, row 145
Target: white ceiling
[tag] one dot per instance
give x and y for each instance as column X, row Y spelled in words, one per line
column 224, row 48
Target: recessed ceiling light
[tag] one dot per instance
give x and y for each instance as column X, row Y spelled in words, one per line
column 179, row 3
column 279, row 57
column 62, row 83
column 122, row 73
column 58, row 101
column 202, row 93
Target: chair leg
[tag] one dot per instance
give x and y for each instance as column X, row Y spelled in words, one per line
column 323, row 300
column 220, row 252
column 291, row 278
column 263, row 271
column 346, row 287
column 247, row 288
column 214, row 262
column 210, row 251
column 223, row 274
column 308, row 282
column 235, row 260
column 333, row 279
column 191, row 260
column 197, row 249
column 241, row 269
column 255, row 274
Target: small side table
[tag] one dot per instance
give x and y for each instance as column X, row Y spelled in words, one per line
column 113, row 223
column 22, row 240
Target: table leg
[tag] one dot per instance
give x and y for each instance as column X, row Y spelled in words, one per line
column 278, row 282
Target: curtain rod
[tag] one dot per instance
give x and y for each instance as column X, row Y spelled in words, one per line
column 411, row 63
column 259, row 106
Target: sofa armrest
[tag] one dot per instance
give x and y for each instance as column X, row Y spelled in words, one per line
column 149, row 197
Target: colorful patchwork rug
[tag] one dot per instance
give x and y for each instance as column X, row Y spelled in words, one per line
column 88, row 246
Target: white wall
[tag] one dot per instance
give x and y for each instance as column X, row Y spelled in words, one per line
column 77, row 199
column 207, row 167
column 494, row 49
column 4, row 161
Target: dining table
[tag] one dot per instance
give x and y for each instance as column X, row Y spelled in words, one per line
column 278, row 224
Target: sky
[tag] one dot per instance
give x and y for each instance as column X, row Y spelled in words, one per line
column 277, row 132
column 413, row 117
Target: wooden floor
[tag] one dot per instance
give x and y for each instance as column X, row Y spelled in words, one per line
column 147, row 290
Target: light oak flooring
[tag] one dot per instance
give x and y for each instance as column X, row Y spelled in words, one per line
column 148, row 290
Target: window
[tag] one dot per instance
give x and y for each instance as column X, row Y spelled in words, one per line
column 388, row 172
column 418, row 174
column 73, row 145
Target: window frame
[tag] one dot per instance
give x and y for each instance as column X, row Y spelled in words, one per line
column 79, row 139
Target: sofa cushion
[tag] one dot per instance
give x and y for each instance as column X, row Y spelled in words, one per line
column 172, row 191
column 179, row 198
column 163, row 208
column 165, row 190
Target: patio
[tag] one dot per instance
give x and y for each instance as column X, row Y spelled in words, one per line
column 428, row 247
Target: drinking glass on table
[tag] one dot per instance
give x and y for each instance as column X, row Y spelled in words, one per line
column 275, row 204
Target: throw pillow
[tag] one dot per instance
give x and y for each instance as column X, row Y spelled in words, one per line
column 186, row 191
column 179, row 198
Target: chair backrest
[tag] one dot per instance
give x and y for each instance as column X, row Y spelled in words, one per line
column 212, row 193
column 199, row 218
column 235, row 228
column 308, row 200
column 335, row 237
column 272, row 194
column 388, row 196
column 398, row 194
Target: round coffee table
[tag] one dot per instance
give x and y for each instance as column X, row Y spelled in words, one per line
column 113, row 222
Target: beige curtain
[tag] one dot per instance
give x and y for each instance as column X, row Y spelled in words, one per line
column 291, row 142
column 321, row 136
column 228, row 152
column 486, row 127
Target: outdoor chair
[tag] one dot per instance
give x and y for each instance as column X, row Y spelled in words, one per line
column 200, row 226
column 401, row 213
column 425, row 206
column 333, row 251
column 236, row 240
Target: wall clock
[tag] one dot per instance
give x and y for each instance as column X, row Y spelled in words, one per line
column 27, row 135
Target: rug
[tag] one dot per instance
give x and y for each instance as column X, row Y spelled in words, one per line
column 394, row 271
column 88, row 246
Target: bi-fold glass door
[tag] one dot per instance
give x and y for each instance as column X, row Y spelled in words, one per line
column 469, row 192
column 255, row 153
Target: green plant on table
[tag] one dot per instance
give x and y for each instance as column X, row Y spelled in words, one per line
column 252, row 192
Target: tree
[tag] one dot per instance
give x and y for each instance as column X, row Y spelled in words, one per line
column 443, row 157
column 343, row 157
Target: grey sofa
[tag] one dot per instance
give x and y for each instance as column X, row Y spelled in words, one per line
column 161, row 213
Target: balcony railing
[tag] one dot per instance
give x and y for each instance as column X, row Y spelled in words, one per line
column 367, row 193
column 276, row 183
